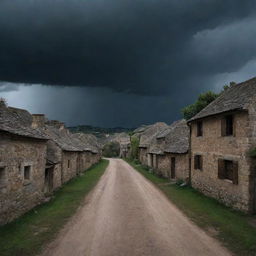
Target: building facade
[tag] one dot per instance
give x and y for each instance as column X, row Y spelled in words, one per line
column 222, row 136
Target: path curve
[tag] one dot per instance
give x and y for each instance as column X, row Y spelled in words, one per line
column 126, row 215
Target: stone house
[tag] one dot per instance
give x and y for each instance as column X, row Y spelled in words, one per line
column 170, row 151
column 148, row 134
column 124, row 141
column 222, row 135
column 91, row 150
column 63, row 152
column 22, row 163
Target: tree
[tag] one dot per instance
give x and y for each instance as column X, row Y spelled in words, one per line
column 3, row 102
column 203, row 100
column 228, row 86
column 111, row 149
column 134, row 147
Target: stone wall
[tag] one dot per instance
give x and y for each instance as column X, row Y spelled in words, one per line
column 143, row 156
column 252, row 143
column 20, row 157
column 212, row 146
column 181, row 166
column 54, row 154
column 69, row 165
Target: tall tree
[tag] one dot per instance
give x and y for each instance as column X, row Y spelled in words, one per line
column 203, row 100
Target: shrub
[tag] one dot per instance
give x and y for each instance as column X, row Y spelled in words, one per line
column 134, row 147
column 252, row 152
column 111, row 149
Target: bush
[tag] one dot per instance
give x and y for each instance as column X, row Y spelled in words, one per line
column 111, row 149
column 252, row 152
column 134, row 147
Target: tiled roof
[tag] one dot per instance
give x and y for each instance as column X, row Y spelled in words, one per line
column 238, row 97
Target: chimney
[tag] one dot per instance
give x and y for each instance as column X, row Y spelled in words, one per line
column 38, row 120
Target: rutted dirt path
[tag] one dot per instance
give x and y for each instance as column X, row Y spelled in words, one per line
column 126, row 215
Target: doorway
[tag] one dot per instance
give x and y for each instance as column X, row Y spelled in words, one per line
column 173, row 167
column 48, row 180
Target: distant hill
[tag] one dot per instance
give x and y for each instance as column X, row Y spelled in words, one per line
column 99, row 131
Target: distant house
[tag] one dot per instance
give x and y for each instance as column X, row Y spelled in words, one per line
column 170, row 149
column 146, row 136
column 22, row 163
column 222, row 135
column 123, row 139
column 91, row 150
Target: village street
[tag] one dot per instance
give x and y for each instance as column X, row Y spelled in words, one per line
column 127, row 215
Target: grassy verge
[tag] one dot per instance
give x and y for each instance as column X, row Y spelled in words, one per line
column 232, row 228
column 27, row 235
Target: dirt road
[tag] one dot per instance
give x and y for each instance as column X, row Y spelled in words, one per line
column 126, row 215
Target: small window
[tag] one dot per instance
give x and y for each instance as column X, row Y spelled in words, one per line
column 2, row 176
column 27, row 170
column 199, row 128
column 198, row 162
column 68, row 163
column 227, row 126
column 228, row 170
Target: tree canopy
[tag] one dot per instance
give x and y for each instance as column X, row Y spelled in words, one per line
column 203, row 100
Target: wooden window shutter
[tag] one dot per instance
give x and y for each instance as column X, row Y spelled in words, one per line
column 235, row 172
column 221, row 169
column 223, row 127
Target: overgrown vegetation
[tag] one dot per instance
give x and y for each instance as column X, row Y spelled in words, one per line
column 134, row 147
column 203, row 100
column 252, row 152
column 27, row 235
column 234, row 229
column 111, row 149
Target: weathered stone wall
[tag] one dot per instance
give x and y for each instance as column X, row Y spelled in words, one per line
column 17, row 194
column 181, row 166
column 57, row 182
column 86, row 160
column 213, row 146
column 252, row 145
column 69, row 165
column 54, row 154
column 143, row 156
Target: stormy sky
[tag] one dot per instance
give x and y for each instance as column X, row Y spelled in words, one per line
column 122, row 62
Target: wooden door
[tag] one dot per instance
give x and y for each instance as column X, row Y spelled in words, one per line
column 173, row 166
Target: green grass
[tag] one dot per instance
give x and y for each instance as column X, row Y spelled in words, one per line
column 27, row 235
column 231, row 227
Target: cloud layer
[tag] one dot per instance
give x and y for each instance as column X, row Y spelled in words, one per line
column 147, row 47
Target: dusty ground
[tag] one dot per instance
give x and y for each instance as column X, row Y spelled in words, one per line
column 126, row 215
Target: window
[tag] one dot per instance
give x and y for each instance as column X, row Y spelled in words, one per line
column 199, row 128
column 228, row 170
column 227, row 126
column 27, row 170
column 198, row 162
column 68, row 163
column 2, row 176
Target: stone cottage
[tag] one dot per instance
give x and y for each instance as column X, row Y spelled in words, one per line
column 124, row 141
column 91, row 150
column 22, row 163
column 222, row 136
column 170, row 149
column 62, row 152
column 145, row 138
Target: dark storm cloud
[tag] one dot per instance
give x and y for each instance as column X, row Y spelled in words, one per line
column 138, row 46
